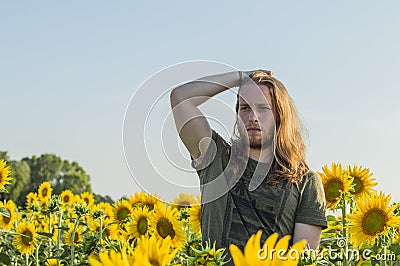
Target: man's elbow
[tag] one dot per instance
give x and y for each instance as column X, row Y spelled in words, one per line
column 175, row 97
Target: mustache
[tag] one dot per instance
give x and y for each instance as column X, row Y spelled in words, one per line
column 253, row 127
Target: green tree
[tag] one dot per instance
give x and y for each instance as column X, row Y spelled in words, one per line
column 21, row 177
column 61, row 174
column 99, row 198
column 29, row 173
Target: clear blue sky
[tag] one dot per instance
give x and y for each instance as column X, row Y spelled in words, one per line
column 68, row 70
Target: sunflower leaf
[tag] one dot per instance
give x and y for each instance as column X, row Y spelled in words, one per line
column 331, row 218
column 45, row 234
column 395, row 248
column 4, row 258
column 4, row 212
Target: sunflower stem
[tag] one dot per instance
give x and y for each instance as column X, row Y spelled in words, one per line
column 26, row 259
column 50, row 232
column 101, row 230
column 188, row 231
column 59, row 234
column 73, row 240
column 37, row 254
column 344, row 230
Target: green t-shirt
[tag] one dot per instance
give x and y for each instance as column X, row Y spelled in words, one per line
column 234, row 216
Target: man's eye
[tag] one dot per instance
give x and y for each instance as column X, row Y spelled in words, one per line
column 245, row 108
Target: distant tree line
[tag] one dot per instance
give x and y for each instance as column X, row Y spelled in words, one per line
column 29, row 173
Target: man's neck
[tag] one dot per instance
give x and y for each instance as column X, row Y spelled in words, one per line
column 263, row 156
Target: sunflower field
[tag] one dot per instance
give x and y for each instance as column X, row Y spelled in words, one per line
column 70, row 229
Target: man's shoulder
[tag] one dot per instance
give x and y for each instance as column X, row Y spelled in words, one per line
column 310, row 177
column 216, row 148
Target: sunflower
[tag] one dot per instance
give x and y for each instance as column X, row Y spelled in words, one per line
column 194, row 218
column 113, row 258
column 71, row 214
column 105, row 207
column 44, row 192
column 88, row 198
column 183, row 200
column 273, row 252
column 153, row 251
column 4, row 174
column 335, row 184
column 78, row 200
column 31, row 199
column 67, row 197
column 68, row 235
column 140, row 222
column 53, row 262
column 333, row 228
column 39, row 222
column 165, row 222
column 397, row 235
column 372, row 218
column 122, row 211
column 136, row 199
column 25, row 238
column 45, row 226
column 208, row 255
column 7, row 222
column 362, row 182
column 109, row 229
column 149, row 200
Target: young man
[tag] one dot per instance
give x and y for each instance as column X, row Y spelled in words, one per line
column 260, row 180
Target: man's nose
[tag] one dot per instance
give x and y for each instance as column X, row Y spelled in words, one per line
column 252, row 116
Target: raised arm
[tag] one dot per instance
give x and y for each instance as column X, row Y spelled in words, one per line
column 192, row 126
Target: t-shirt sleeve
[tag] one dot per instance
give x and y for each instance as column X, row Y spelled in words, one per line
column 212, row 157
column 311, row 206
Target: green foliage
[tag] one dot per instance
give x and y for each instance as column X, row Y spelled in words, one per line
column 21, row 178
column 61, row 174
column 29, row 173
column 99, row 198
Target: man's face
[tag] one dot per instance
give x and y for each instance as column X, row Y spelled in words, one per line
column 256, row 115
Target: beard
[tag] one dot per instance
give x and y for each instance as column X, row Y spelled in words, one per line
column 251, row 141
column 259, row 141
column 255, row 143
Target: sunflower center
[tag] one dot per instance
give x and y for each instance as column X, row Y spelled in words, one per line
column 44, row 192
column 7, row 219
column 86, row 200
column 27, row 237
column 154, row 262
column 374, row 221
column 105, row 233
column 66, row 198
column 359, row 186
column 122, row 214
column 333, row 190
column 192, row 247
column 76, row 237
column 150, row 206
column 183, row 204
column 165, row 228
column 142, row 225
